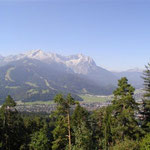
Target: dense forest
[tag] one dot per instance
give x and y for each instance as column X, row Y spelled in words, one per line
column 123, row 125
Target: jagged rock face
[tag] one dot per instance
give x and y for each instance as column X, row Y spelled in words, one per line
column 81, row 64
column 78, row 63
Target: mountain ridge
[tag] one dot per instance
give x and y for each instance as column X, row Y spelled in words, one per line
column 78, row 63
column 37, row 75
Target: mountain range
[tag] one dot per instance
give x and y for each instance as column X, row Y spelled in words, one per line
column 37, row 75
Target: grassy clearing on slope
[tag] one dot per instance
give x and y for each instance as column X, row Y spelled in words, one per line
column 95, row 98
column 31, row 84
column 32, row 92
column 35, row 103
column 12, row 87
column 7, row 76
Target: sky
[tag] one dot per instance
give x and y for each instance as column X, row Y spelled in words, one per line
column 115, row 33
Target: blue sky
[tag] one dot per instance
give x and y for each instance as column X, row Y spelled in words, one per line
column 115, row 33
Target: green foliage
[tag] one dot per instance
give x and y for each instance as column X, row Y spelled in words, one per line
column 145, row 143
column 145, row 111
column 60, row 134
column 9, row 102
column 107, row 128
column 62, row 131
column 72, row 127
column 127, row 144
column 98, row 128
column 83, row 137
column 39, row 140
column 146, row 78
column 12, row 126
column 1, row 129
column 64, row 102
column 123, row 111
column 79, row 115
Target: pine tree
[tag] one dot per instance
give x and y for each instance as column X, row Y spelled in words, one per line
column 82, row 135
column 145, row 110
column 9, row 103
column 124, row 108
column 62, row 131
column 39, row 140
column 1, row 129
column 145, row 142
column 79, row 115
column 127, row 144
column 13, row 127
column 107, row 128
column 98, row 128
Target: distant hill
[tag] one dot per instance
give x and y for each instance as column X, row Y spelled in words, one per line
column 134, row 76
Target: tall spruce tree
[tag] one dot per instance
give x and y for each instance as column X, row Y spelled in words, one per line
column 124, row 108
column 62, row 131
column 13, row 127
column 107, row 128
column 145, row 110
column 39, row 140
column 82, row 135
column 98, row 127
column 1, row 129
column 79, row 115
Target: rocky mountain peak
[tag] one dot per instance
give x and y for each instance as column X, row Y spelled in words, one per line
column 36, row 54
column 80, row 58
column 78, row 63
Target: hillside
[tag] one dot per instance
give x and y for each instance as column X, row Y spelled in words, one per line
column 37, row 75
column 32, row 80
column 133, row 75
